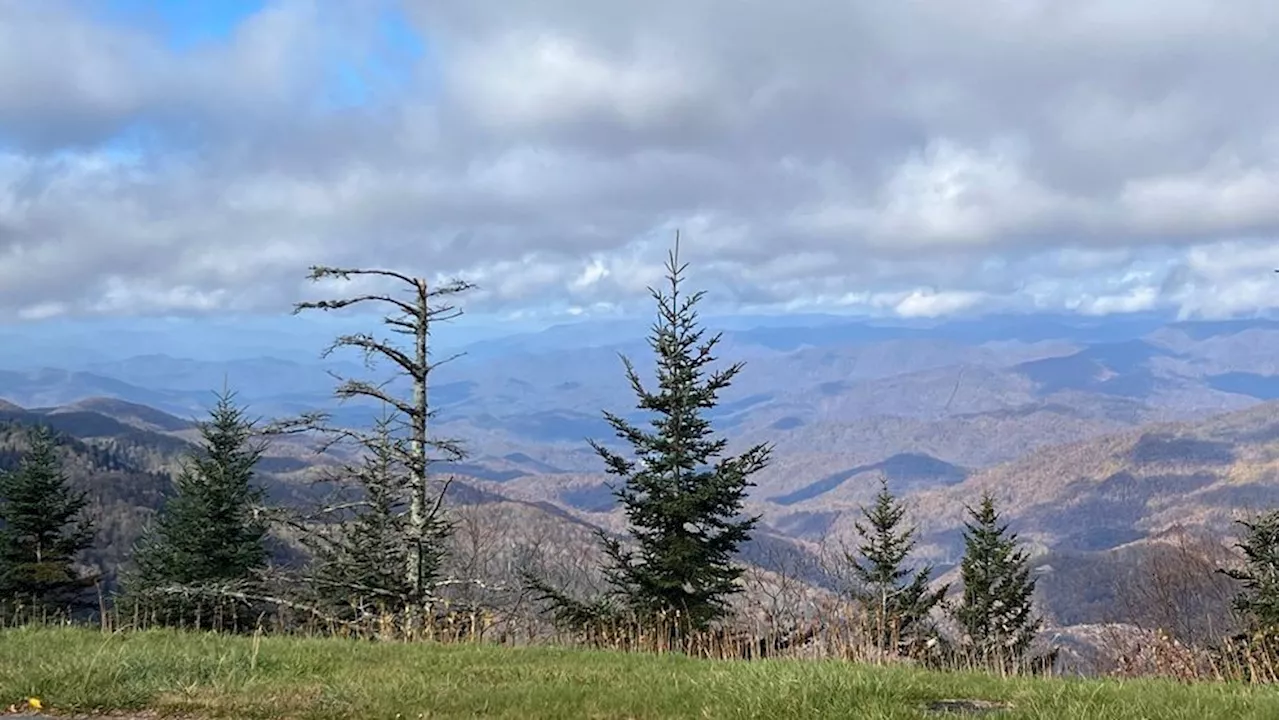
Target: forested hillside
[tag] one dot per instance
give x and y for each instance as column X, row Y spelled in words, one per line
column 961, row 495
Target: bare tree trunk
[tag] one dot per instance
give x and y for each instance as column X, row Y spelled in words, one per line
column 418, row 508
column 413, row 317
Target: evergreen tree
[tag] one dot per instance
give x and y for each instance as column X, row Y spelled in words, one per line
column 42, row 530
column 209, row 531
column 1258, row 598
column 995, row 613
column 360, row 549
column 683, row 498
column 898, row 601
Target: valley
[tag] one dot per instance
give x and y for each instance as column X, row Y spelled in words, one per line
column 1099, row 438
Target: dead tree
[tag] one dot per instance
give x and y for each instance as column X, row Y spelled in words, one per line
column 410, row 446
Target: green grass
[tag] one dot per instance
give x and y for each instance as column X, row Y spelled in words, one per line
column 80, row 670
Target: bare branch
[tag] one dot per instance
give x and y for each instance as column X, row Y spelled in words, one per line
column 407, row 308
column 443, row 313
column 320, row 272
column 474, row 582
column 339, row 507
column 404, row 327
column 229, row 591
column 359, row 388
column 450, row 287
column 371, row 347
column 304, row 423
column 439, row 503
column 449, row 359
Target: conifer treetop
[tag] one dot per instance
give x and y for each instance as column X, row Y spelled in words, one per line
column 682, row 496
column 42, row 527
column 898, row 598
column 211, row 529
column 1259, row 599
column 996, row 611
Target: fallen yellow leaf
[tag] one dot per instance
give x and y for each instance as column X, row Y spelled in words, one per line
column 35, row 703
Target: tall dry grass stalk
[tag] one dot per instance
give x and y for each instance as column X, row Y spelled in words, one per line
column 838, row 632
column 823, row 630
column 780, row 614
column 1242, row 658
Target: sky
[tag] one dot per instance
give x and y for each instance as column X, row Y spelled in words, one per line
column 905, row 159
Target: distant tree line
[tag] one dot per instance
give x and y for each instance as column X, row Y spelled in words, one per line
column 376, row 542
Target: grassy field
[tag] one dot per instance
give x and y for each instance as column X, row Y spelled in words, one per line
column 80, row 670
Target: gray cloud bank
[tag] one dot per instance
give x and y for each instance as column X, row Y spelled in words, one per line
column 913, row 158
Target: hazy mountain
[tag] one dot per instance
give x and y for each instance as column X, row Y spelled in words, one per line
column 833, row 394
column 1117, row 489
column 902, row 473
column 805, row 378
column 124, row 455
column 1102, row 438
column 48, row 387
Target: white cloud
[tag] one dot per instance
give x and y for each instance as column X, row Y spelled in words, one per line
column 1140, row 298
column 42, row 311
column 1226, row 201
column 121, row 294
column 532, row 79
column 593, row 273
column 910, row 158
column 934, row 304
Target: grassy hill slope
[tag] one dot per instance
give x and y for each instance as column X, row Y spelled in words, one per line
column 74, row 670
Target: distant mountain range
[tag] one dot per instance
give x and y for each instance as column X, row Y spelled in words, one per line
column 1096, row 433
column 1117, row 489
column 124, row 455
column 833, row 395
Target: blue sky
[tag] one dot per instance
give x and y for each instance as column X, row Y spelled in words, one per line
column 190, row 25
column 183, row 23
column 905, row 161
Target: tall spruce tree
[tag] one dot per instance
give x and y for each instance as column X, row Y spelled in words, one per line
column 210, row 532
column 1258, row 598
column 43, row 529
column 683, row 498
column 898, row 601
column 996, row 612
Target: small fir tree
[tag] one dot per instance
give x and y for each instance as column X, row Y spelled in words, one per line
column 996, row 612
column 42, row 530
column 209, row 533
column 1257, row 599
column 897, row 600
column 683, row 498
column 361, row 547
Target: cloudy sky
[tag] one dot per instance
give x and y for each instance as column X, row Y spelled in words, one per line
column 913, row 158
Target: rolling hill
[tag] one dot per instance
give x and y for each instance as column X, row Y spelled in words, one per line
column 1110, row 491
column 124, row 456
column 1098, row 434
column 806, row 378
